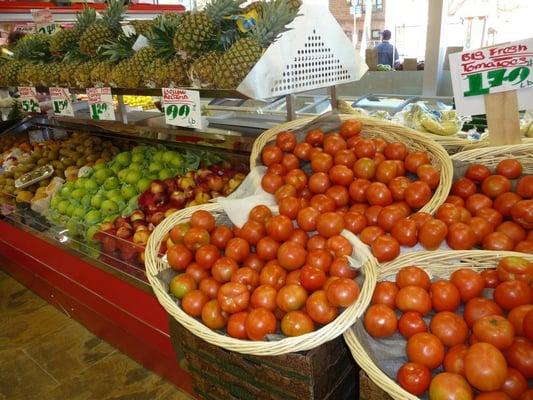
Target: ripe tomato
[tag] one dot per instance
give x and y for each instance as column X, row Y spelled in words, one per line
column 481, row 228
column 362, row 207
column 485, row 367
column 512, row 294
column 329, row 224
column 514, row 231
column 354, row 222
column 315, row 137
column 233, row 297
column 527, row 395
column 179, row 257
column 385, row 248
column 520, row 356
column 380, row 321
column 342, row 292
column 203, row 219
column 405, row 232
column 445, row 296
column 285, row 191
column 247, row 276
column 379, row 194
column 220, row 236
column 289, row 206
column 319, row 309
column 505, row 202
column 494, row 329
column 469, row 283
column 491, row 215
column 388, row 217
column 345, row 157
column 450, row 328
column 296, row 323
column 319, row 182
column 350, row 128
column 479, row 307
column 279, row 228
column 522, row 213
column 417, row 194
column 267, row 248
column 237, row 249
column 274, row 275
column 291, row 297
column 397, row 187
column 516, row 318
column 206, row 256
column 420, row 218
column 386, row 171
column 415, row 159
column 307, row 218
column 477, row 173
column 212, row 315
column 372, row 213
column 291, row 255
column 209, row 286
column 370, row 234
column 490, row 276
column 447, row 385
column 333, row 143
column 464, row 188
column 339, row 194
column 414, row 378
column 198, row 273
column 432, row 234
column 276, row 169
column 364, row 148
column 196, row 238
column 412, row 276
column 286, row 141
column 455, row 200
column 181, row 285
column 340, row 175
column 260, row 213
column 448, row 213
column 524, row 187
column 525, row 246
column 271, row 154
column 497, row 241
column 264, row 296
column 395, row 151
column 495, row 185
column 413, row 298
column 460, row 236
column 299, row 236
column 411, row 323
column 425, row 348
column 341, row 268
column 357, row 190
column 316, row 242
column 429, row 174
column 296, row 178
column 319, row 258
column 497, row 395
column 312, row 278
column 476, row 202
column 364, row 168
column 303, row 151
column 454, row 360
column 339, row 246
column 321, row 162
column 322, row 203
column 236, row 325
column 515, row 384
column 510, row 168
column 385, row 293
column 259, row 323
column 178, row 232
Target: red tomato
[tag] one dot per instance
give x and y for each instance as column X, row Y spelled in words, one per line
column 342, row 292
column 477, row 173
column 510, row 168
column 322, row 203
column 291, row 298
column 339, row 194
column 345, row 157
column 259, row 323
column 303, row 151
column 319, row 258
column 428, row 173
column 260, row 213
column 264, row 296
column 321, row 162
column 355, row 222
column 491, row 215
column 364, row 168
column 267, row 248
column 490, row 276
column 522, row 213
column 494, row 329
column 515, row 384
column 485, row 367
column 450, row 328
column 395, row 151
column 497, row 241
column 469, row 283
column 203, row 219
column 380, row 321
column 448, row 213
column 209, row 286
column 312, row 278
column 286, row 141
column 455, row 200
column 386, row 171
column 315, row 137
column 316, row 242
column 464, row 188
column 364, row 148
column 179, row 257
column 405, row 232
column 279, row 228
column 412, row 276
column 271, row 154
column 495, row 185
column 329, row 224
column 454, row 360
column 379, row 194
column 340, row 175
column 237, row 249
column 476, row 202
column 413, row 298
column 460, row 236
column 233, row 297
column 498, row 395
column 206, row 256
column 432, row 234
column 527, row 325
column 178, row 232
column 512, row 294
column 350, row 128
column 385, row 248
column 181, row 285
column 447, row 386
column 198, row 273
column 411, row 323
column 291, row 255
column 341, row 268
column 275, row 169
column 307, row 218
column 247, row 276
column 372, row 213
column 520, row 356
column 296, row 178
column 333, row 143
column 385, row 293
column 445, row 296
column 357, row 190
column 299, row 236
column 479, row 307
column 319, row 309
column 525, row 246
column 370, row 234
column 516, row 318
column 481, row 228
column 417, row 194
column 339, row 246
column 415, row 159
column 505, row 202
column 212, row 315
column 527, row 395
column 236, row 325
column 397, row 187
column 274, row 275
column 524, row 187
column 425, row 348
column 511, row 229
column 414, row 378
column 388, row 217
column 296, row 323
column 220, row 236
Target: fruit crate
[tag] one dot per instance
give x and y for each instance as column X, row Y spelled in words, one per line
column 326, row 372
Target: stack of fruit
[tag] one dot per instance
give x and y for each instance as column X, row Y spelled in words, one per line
column 487, row 347
column 202, row 48
column 265, row 278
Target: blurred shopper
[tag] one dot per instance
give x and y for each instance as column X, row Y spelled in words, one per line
column 387, row 54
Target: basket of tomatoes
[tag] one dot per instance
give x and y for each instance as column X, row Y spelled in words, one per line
column 375, row 172
column 451, row 323
column 265, row 288
column 490, row 205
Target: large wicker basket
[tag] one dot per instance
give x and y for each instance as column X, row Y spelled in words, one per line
column 491, row 156
column 155, row 266
column 372, row 127
column 439, row 264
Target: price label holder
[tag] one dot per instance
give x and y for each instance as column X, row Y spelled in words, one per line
column 62, row 102
column 498, row 81
column 28, row 99
column 44, row 21
column 182, row 108
column 101, row 104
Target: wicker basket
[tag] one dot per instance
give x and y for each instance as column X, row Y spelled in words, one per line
column 491, row 156
column 372, row 127
column 438, row 264
column 485, row 142
column 154, row 266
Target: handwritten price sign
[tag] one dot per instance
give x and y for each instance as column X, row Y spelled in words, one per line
column 44, row 21
column 61, row 101
column 28, row 99
column 492, row 70
column 101, row 104
column 182, row 108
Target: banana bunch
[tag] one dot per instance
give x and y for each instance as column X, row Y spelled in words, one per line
column 526, row 128
column 145, row 102
column 417, row 116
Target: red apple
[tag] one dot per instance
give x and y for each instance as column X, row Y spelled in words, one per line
column 137, row 215
column 157, row 186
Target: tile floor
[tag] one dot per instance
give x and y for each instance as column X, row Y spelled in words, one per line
column 46, row 355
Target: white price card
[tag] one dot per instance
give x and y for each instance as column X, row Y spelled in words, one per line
column 28, row 99
column 494, row 69
column 62, row 102
column 101, row 103
column 44, row 21
column 182, row 108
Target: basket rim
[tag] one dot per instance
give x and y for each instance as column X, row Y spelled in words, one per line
column 260, row 348
column 435, row 257
column 491, row 151
column 435, row 148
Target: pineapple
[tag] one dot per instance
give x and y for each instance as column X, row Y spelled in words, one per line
column 237, row 62
column 82, row 75
column 10, row 70
column 130, row 73
column 197, row 30
column 202, row 70
column 104, row 29
column 48, row 75
column 168, row 73
column 34, row 48
column 67, row 72
column 28, row 74
column 142, row 27
column 294, row 5
column 101, row 74
column 66, row 39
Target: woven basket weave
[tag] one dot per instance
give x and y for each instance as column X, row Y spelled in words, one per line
column 155, row 265
column 439, row 264
column 491, row 156
column 372, row 128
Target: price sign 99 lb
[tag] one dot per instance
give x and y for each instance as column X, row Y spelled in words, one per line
column 28, row 99
column 101, row 104
column 182, row 107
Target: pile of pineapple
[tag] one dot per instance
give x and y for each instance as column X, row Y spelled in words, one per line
column 207, row 48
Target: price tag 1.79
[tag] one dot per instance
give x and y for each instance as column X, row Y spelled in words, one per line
column 61, row 101
column 101, row 104
column 28, row 99
column 182, row 108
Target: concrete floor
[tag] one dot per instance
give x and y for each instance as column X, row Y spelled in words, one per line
column 46, row 355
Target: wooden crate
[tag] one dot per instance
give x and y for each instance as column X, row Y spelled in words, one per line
column 326, row 373
column 368, row 390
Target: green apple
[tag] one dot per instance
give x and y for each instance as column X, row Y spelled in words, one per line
column 54, row 201
column 122, row 174
column 158, row 156
column 73, row 227
column 136, row 166
column 143, row 184
column 164, row 174
column 63, row 206
column 91, row 231
column 111, row 183
column 96, row 200
column 139, row 150
column 123, row 158
column 117, row 198
column 115, row 168
column 176, row 161
column 128, row 191
column 133, row 177
column 112, row 193
column 155, row 166
column 86, row 201
column 110, row 218
column 80, row 182
column 65, row 191
column 79, row 212
column 77, row 194
column 93, row 217
column 102, row 174
column 109, row 207
column 99, row 166
column 137, row 158
column 91, row 185
column 169, row 155
column 71, row 208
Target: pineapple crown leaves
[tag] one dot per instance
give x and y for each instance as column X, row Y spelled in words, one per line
column 277, row 14
column 162, row 37
column 119, row 49
column 35, row 47
column 114, row 13
column 85, row 19
column 218, row 9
